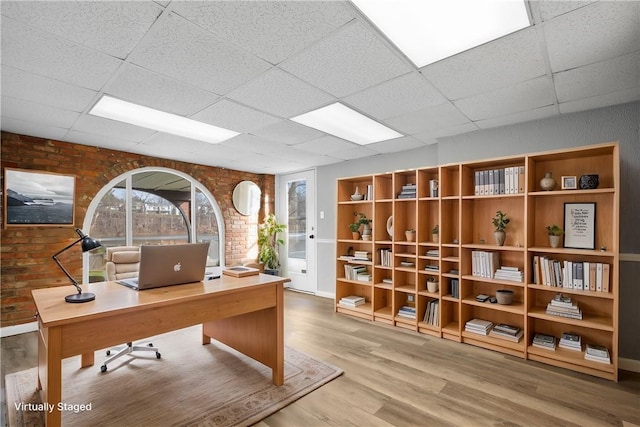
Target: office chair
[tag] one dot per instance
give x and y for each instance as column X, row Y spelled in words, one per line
column 123, row 262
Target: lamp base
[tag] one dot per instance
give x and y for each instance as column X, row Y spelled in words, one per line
column 83, row 297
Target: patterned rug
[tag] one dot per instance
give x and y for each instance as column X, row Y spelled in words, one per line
column 192, row 385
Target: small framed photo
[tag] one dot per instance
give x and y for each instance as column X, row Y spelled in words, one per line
column 569, row 183
column 580, row 225
column 33, row 198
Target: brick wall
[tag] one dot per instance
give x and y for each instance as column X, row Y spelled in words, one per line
column 25, row 257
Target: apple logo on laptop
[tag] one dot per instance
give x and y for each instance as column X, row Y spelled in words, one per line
column 177, row 267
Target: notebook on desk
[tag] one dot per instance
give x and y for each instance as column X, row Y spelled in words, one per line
column 166, row 265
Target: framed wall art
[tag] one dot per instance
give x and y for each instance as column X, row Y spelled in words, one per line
column 569, row 183
column 579, row 225
column 33, row 198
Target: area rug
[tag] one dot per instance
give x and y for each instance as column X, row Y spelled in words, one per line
column 192, row 385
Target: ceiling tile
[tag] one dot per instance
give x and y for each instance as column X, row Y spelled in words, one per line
column 432, row 135
column 325, row 145
column 395, row 97
column 514, row 99
column 180, row 49
column 229, row 115
column 503, row 62
column 109, row 142
column 603, row 30
column 43, row 90
column 288, row 132
column 46, row 55
column 281, row 94
column 112, row 27
column 153, row 90
column 106, row 127
column 272, row 30
column 395, row 145
column 599, row 78
column 354, row 153
column 37, row 113
column 32, row 129
column 551, row 9
column 346, row 62
column 428, row 119
column 252, row 144
column 621, row 97
column 525, row 116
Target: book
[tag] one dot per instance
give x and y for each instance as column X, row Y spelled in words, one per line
column 597, row 353
column 544, row 341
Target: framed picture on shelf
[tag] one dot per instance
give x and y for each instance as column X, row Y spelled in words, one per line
column 579, row 225
column 569, row 183
column 33, row 198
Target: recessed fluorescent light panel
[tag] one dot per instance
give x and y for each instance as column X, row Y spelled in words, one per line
column 427, row 31
column 343, row 122
column 123, row 111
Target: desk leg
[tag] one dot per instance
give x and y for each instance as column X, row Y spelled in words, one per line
column 87, row 359
column 257, row 334
column 50, row 373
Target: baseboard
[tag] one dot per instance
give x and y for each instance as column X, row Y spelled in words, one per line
column 330, row 295
column 23, row 328
column 629, row 365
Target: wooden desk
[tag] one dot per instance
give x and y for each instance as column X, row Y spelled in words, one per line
column 244, row 313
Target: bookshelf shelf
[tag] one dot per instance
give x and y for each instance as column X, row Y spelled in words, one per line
column 463, row 206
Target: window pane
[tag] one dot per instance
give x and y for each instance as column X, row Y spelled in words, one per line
column 207, row 227
column 108, row 222
column 297, row 219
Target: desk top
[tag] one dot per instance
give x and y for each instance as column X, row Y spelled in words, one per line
column 112, row 297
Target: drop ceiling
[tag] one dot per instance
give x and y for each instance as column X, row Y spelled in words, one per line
column 250, row 66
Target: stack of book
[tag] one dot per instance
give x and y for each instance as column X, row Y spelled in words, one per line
column 506, row 332
column 431, row 267
column 597, row 353
column 512, row 274
column 455, row 288
column 361, row 256
column 408, row 192
column 352, row 301
column 431, row 314
column 478, row 326
column 562, row 306
column 433, row 253
column 357, row 272
column 571, row 341
column 388, row 281
column 544, row 341
column 407, row 312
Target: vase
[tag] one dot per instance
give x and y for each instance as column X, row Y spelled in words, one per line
column 547, row 183
column 357, row 195
column 434, row 237
column 500, row 237
column 554, row 241
column 589, row 181
column 432, row 286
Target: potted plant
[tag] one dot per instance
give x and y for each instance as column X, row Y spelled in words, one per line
column 268, row 242
column 555, row 235
column 410, row 234
column 500, row 222
column 355, row 230
column 366, row 226
column 432, row 285
column 434, row 233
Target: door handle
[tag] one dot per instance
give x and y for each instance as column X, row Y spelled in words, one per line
column 311, row 236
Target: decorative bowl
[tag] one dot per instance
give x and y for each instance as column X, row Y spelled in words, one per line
column 357, row 197
column 589, row 181
column 504, row 296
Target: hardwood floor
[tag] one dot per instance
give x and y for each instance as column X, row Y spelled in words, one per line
column 400, row 378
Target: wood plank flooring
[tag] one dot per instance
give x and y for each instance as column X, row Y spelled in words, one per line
column 400, row 378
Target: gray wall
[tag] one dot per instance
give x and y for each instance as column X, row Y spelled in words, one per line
column 618, row 123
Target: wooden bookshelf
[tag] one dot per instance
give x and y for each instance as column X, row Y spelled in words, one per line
column 398, row 201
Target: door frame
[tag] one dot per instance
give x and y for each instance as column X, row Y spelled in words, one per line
column 281, row 211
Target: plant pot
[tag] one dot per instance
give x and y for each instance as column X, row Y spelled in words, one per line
column 272, row 272
column 432, row 286
column 355, row 235
column 411, row 236
column 434, row 238
column 500, row 237
column 555, row 241
column 504, row 296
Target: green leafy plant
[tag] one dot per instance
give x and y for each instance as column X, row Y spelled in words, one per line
column 435, row 230
column 268, row 242
column 500, row 221
column 361, row 220
column 554, row 230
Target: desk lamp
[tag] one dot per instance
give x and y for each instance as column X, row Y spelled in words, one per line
column 88, row 244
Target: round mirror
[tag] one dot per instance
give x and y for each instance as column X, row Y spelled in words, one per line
column 246, row 198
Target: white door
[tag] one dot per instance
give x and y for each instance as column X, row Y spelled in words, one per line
column 297, row 211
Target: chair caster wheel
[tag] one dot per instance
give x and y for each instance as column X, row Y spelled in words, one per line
column 150, row 345
column 158, row 355
column 103, row 368
column 108, row 352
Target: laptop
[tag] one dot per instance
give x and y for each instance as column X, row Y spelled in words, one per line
column 166, row 265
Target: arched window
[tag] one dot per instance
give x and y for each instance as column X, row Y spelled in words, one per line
column 153, row 206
